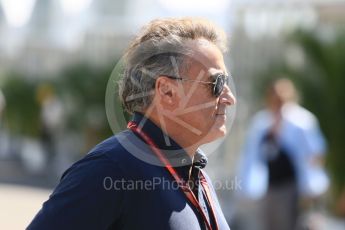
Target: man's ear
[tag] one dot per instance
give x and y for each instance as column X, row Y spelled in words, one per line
column 166, row 91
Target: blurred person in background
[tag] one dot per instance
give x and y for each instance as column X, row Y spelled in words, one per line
column 175, row 84
column 51, row 121
column 2, row 108
column 282, row 158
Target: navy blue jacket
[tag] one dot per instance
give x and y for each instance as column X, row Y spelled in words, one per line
column 120, row 185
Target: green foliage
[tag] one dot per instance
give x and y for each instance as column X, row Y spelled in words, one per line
column 322, row 82
column 82, row 89
column 22, row 113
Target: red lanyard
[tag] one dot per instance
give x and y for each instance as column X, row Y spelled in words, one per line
column 183, row 186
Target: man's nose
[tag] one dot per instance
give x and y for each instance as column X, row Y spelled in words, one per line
column 227, row 97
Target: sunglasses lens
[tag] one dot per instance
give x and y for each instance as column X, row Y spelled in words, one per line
column 219, row 85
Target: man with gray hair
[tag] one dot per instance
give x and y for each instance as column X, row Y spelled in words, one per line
column 150, row 176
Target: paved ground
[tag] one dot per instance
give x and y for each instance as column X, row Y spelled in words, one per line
column 19, row 204
column 21, row 194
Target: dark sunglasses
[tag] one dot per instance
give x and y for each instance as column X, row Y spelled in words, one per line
column 220, row 80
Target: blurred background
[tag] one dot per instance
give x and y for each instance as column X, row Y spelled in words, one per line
column 56, row 57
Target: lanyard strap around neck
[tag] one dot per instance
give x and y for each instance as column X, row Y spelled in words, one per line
column 182, row 185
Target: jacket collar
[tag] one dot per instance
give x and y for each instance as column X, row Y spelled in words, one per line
column 172, row 151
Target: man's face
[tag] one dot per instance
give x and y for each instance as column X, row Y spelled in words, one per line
column 204, row 112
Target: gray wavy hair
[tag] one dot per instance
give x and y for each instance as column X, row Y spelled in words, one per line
column 160, row 49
